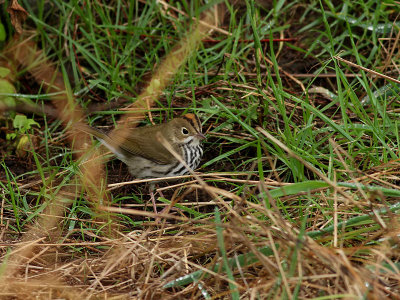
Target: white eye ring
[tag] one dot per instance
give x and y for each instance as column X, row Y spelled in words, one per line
column 185, row 131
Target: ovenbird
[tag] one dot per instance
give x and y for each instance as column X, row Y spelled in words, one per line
column 146, row 156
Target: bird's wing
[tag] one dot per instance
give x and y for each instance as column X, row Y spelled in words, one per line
column 141, row 142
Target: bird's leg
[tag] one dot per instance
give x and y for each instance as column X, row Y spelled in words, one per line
column 175, row 199
column 153, row 200
column 164, row 210
column 161, row 194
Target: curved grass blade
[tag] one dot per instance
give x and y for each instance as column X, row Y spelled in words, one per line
column 388, row 90
column 221, row 244
column 381, row 28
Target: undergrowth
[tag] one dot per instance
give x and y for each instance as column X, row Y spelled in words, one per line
column 296, row 196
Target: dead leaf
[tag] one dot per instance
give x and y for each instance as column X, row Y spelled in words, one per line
column 18, row 15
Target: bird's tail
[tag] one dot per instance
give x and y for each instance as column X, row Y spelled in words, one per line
column 103, row 138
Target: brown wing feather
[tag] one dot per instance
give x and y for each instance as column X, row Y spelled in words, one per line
column 142, row 142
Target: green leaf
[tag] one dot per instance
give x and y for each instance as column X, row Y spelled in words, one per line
column 22, row 123
column 11, row 136
column 4, row 72
column 6, row 88
column 3, row 34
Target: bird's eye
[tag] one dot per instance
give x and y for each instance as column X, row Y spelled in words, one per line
column 185, row 131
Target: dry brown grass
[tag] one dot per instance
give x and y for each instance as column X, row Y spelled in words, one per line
column 139, row 263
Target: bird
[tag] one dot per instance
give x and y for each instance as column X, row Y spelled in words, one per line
column 147, row 156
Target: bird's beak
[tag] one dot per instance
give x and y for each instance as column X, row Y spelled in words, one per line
column 200, row 136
